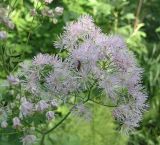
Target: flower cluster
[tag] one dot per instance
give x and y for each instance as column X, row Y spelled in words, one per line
column 52, row 13
column 44, row 10
column 94, row 61
column 111, row 64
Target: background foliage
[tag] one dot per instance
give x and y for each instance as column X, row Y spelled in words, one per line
column 141, row 31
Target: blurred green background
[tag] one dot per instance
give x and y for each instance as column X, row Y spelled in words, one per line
column 138, row 21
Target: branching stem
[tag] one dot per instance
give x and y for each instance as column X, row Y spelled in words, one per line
column 102, row 104
column 67, row 115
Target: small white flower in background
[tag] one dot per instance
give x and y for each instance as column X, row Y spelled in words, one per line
column 48, row 1
column 4, row 124
column 55, row 21
column 47, row 12
column 33, row 12
column 16, row 122
column 50, row 13
column 29, row 139
column 44, row 11
column 41, row 106
column 13, row 80
column 3, row 35
column 26, row 108
column 50, row 115
column 59, row 11
column 54, row 104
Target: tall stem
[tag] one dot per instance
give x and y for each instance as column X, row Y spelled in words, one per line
column 4, row 65
column 42, row 140
column 54, row 127
column 137, row 14
column 29, row 34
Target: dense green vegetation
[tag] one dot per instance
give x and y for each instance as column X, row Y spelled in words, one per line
column 136, row 20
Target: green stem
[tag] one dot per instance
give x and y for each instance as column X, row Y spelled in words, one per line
column 60, row 122
column 102, row 104
column 54, row 127
column 42, row 140
column 3, row 60
column 140, row 3
column 3, row 133
column 29, row 34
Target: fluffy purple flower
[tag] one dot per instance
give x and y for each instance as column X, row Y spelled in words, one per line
column 107, row 59
column 26, row 108
column 42, row 106
column 50, row 115
column 13, row 80
column 16, row 122
column 28, row 139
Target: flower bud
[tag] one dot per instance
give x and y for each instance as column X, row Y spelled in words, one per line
column 59, row 11
column 50, row 115
column 54, row 104
column 55, row 21
column 4, row 124
column 28, row 139
column 41, row 106
column 26, row 108
column 47, row 12
column 3, row 35
column 16, row 122
column 13, row 80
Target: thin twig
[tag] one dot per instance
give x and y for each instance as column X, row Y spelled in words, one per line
column 29, row 34
column 102, row 104
column 60, row 122
column 3, row 60
column 9, row 133
column 54, row 127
